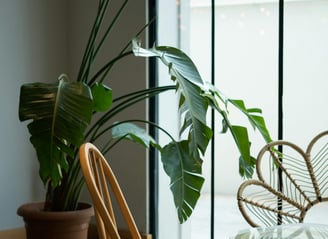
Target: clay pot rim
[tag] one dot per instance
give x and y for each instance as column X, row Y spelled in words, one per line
column 34, row 210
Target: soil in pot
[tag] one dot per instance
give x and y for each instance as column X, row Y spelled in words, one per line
column 40, row 224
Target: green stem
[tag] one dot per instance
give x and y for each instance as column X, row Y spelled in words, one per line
column 93, row 35
column 106, row 66
column 127, row 101
column 110, row 27
column 119, row 108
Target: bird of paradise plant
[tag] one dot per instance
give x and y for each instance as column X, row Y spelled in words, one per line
column 66, row 113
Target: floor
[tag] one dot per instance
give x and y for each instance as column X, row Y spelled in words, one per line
column 228, row 219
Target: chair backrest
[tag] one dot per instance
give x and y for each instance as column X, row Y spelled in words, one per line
column 99, row 179
column 290, row 182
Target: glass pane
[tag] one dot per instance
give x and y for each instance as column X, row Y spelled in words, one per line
column 246, row 67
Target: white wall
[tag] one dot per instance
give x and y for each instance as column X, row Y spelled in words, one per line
column 39, row 40
column 33, row 48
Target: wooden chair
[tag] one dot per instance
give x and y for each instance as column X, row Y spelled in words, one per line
column 290, row 182
column 99, row 178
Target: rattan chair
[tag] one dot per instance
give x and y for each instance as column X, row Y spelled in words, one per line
column 100, row 178
column 290, row 182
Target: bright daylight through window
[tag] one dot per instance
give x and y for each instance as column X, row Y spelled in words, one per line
column 246, row 67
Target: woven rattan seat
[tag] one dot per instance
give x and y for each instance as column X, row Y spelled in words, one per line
column 290, row 182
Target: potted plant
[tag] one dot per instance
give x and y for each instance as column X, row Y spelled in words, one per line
column 66, row 113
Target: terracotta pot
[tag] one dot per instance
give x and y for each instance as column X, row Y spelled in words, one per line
column 40, row 224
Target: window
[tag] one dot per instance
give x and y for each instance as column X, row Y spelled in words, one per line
column 246, row 67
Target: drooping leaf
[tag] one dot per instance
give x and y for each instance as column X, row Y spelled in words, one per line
column 256, row 120
column 184, row 170
column 133, row 133
column 246, row 170
column 240, row 135
column 193, row 106
column 190, row 85
column 60, row 113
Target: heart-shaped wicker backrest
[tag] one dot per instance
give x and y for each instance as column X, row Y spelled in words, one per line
column 290, row 182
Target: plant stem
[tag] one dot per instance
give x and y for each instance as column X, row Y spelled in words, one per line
column 107, row 66
column 91, row 41
column 129, row 100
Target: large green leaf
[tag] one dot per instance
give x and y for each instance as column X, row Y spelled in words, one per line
column 181, row 160
column 184, row 170
column 190, row 85
column 60, row 113
column 133, row 133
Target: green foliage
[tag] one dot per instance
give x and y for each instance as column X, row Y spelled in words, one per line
column 102, row 97
column 63, row 115
column 239, row 133
column 193, row 105
column 60, row 113
column 184, row 170
column 133, row 133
